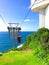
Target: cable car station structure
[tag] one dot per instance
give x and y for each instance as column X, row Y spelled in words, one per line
column 13, row 33
column 13, row 29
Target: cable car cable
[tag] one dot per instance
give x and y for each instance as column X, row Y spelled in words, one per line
column 27, row 14
column 3, row 19
column 23, row 19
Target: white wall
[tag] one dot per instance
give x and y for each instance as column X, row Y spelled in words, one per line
column 42, row 19
column 47, row 17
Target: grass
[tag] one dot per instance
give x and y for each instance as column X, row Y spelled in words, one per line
column 35, row 51
column 20, row 58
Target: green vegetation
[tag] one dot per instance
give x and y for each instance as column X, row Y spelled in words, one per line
column 35, row 51
column 39, row 42
column 41, row 37
column 20, row 58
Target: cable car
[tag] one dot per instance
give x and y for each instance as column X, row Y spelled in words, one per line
column 18, row 38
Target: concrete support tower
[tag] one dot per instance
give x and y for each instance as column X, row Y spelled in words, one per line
column 41, row 6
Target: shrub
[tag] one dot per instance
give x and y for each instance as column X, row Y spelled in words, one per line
column 41, row 36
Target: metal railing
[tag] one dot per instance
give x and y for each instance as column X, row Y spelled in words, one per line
column 38, row 1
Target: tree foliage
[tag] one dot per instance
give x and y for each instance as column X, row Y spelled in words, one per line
column 39, row 37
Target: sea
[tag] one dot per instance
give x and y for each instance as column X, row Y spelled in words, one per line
column 6, row 43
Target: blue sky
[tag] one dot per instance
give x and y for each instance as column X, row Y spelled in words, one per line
column 15, row 11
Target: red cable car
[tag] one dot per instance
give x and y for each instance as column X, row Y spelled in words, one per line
column 18, row 38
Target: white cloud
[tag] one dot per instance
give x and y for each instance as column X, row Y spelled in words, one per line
column 27, row 20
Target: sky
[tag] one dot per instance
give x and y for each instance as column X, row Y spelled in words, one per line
column 15, row 11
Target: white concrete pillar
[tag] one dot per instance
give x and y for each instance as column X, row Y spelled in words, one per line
column 42, row 19
column 47, row 17
column 32, row 2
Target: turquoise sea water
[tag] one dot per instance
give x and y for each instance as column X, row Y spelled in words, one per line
column 6, row 41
